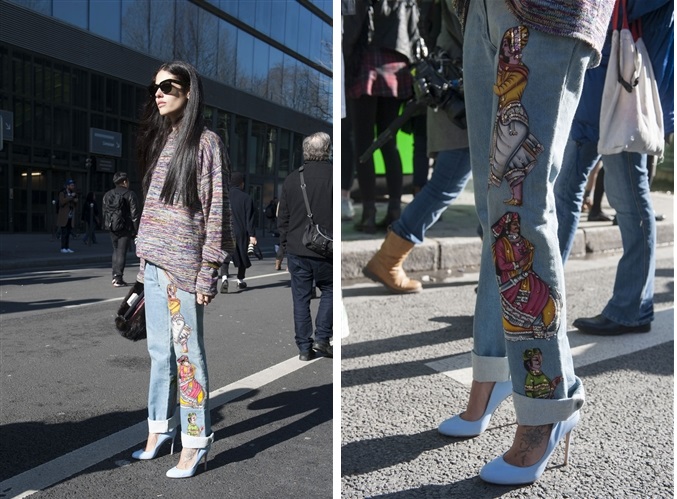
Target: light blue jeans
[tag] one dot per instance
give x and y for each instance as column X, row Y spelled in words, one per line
column 450, row 175
column 626, row 184
column 522, row 111
column 579, row 160
column 178, row 366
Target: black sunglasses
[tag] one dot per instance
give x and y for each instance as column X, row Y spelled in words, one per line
column 166, row 87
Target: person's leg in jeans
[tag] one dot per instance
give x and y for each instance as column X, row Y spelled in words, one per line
column 524, row 138
column 450, row 175
column 579, row 160
column 323, row 275
column 449, row 178
column 301, row 274
column 627, row 189
column 174, row 325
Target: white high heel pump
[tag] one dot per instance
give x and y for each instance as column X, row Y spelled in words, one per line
column 458, row 427
column 161, row 439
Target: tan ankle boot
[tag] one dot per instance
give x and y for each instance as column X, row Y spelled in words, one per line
column 278, row 264
column 386, row 265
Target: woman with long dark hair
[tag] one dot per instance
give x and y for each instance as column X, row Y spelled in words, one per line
column 184, row 237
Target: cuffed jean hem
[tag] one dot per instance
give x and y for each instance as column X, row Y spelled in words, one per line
column 536, row 412
column 165, row 425
column 487, row 369
column 189, row 442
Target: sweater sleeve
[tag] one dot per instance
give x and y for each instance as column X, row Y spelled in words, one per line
column 211, row 192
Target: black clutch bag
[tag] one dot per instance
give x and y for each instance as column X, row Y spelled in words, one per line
column 131, row 318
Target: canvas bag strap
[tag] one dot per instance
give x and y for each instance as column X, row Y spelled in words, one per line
column 305, row 196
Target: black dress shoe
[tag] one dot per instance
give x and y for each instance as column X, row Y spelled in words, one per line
column 323, row 347
column 602, row 326
column 307, row 354
column 598, row 216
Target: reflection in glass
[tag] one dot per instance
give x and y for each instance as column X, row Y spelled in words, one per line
column 71, row 11
column 148, row 26
column 260, row 68
column 275, row 76
column 292, row 27
column 226, row 56
column 245, row 62
column 104, row 19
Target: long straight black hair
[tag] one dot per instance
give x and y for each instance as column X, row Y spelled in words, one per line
column 181, row 183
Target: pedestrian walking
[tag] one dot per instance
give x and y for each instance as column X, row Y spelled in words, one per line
column 448, row 143
column 521, row 90
column 184, row 237
column 379, row 44
column 68, row 201
column 309, row 270
column 242, row 212
column 90, row 215
column 626, row 180
column 121, row 217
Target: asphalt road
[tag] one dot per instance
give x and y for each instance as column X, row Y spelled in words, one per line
column 74, row 394
column 406, row 367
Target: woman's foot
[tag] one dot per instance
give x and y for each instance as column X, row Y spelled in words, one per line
column 478, row 400
column 483, row 401
column 187, row 459
column 529, row 445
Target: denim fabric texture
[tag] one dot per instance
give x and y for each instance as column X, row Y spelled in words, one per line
column 305, row 274
column 580, row 157
column 626, row 184
column 523, row 104
column 450, row 175
column 174, row 324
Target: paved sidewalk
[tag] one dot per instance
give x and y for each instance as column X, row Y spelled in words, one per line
column 453, row 244
column 21, row 251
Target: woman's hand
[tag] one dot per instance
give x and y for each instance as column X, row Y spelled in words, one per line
column 204, row 299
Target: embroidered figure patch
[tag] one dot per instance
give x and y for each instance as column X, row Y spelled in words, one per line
column 536, row 384
column 514, row 148
column 180, row 330
column 191, row 393
column 530, row 308
column 192, row 428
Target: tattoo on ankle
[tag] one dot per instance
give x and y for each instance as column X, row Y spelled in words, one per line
column 531, row 438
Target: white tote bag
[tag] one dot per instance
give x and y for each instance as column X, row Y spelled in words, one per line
column 631, row 118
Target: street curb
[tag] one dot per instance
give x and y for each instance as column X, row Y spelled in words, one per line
column 464, row 253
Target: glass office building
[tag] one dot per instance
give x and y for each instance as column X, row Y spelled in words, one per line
column 73, row 77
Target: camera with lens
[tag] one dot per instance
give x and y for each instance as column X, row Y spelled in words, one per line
column 438, row 82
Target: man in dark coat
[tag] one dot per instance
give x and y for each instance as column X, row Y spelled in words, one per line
column 242, row 212
column 305, row 266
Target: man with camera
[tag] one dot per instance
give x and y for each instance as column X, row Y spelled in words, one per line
column 68, row 201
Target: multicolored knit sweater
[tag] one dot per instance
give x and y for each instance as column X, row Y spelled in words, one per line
column 586, row 20
column 189, row 243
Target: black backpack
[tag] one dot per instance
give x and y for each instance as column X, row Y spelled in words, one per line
column 115, row 212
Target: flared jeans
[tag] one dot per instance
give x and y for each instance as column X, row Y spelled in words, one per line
column 178, row 370
column 523, row 86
